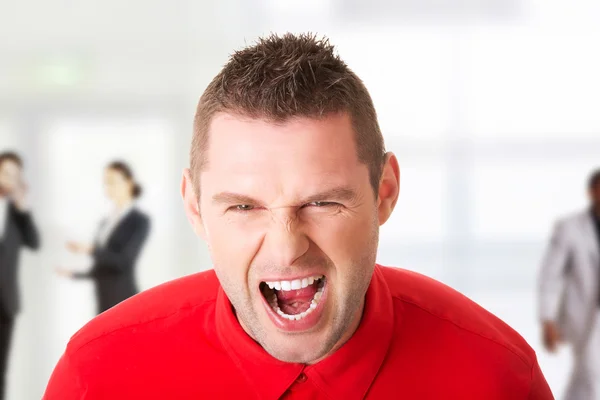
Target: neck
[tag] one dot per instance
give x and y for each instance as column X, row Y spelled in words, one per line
column 596, row 209
column 347, row 335
column 123, row 203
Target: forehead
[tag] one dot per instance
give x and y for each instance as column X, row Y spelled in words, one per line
column 9, row 166
column 305, row 151
column 330, row 138
column 113, row 174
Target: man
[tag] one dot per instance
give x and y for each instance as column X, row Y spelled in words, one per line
column 289, row 183
column 16, row 230
column 569, row 295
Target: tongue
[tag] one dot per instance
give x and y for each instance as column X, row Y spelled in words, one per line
column 306, row 293
column 294, row 302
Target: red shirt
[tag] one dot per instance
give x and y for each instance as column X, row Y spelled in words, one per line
column 418, row 339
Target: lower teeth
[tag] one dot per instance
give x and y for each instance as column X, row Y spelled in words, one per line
column 297, row 317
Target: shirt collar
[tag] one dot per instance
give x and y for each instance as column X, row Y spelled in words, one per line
column 121, row 212
column 3, row 215
column 346, row 374
column 269, row 377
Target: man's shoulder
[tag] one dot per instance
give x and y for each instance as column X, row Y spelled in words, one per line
column 173, row 299
column 572, row 218
column 433, row 300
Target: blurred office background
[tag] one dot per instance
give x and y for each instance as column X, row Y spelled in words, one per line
column 493, row 107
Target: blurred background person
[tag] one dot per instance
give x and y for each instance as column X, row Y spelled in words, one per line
column 17, row 229
column 569, row 294
column 118, row 242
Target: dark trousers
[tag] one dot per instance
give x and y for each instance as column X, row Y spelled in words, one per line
column 6, row 328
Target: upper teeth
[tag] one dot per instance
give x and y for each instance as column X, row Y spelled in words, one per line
column 295, row 284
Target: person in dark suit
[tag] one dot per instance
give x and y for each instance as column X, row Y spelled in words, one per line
column 17, row 229
column 118, row 243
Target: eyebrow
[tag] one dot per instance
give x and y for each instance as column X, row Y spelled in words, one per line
column 233, row 198
column 339, row 193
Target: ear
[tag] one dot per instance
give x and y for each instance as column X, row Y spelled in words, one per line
column 191, row 205
column 389, row 187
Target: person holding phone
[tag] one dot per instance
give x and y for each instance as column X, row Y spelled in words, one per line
column 120, row 238
column 17, row 229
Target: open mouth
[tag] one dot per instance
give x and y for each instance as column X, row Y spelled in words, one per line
column 294, row 300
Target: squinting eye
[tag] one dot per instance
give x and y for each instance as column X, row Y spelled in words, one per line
column 243, row 207
column 321, row 203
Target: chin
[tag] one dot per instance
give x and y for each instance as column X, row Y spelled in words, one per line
column 295, row 351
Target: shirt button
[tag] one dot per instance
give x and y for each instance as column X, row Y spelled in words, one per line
column 301, row 378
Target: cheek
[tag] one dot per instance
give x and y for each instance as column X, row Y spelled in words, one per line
column 8, row 182
column 351, row 245
column 233, row 244
column 7, row 178
column 344, row 237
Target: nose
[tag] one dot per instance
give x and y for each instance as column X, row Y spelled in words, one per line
column 286, row 239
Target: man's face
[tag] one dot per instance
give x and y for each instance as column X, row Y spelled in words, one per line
column 10, row 176
column 292, row 223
